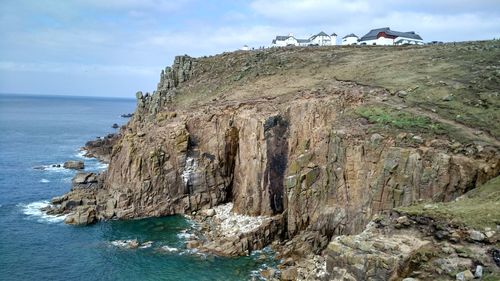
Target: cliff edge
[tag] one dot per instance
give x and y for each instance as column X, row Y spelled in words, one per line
column 320, row 140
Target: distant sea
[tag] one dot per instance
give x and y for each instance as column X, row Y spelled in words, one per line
column 38, row 131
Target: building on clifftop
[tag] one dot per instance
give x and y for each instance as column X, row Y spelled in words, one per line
column 350, row 39
column 386, row 36
column 320, row 39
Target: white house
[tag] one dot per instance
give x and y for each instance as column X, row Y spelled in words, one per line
column 386, row 36
column 283, row 41
column 350, row 39
column 320, row 39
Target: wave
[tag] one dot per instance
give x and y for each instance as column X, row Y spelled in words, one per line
column 53, row 168
column 81, row 154
column 169, row 249
column 33, row 210
column 44, row 181
column 184, row 234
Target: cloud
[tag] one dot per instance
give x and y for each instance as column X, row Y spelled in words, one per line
column 309, row 11
column 95, row 69
column 132, row 40
column 446, row 20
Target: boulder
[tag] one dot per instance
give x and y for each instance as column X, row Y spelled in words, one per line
column 476, row 235
column 192, row 244
column 115, row 126
column 83, row 215
column 464, row 276
column 479, row 272
column 289, row 273
column 85, row 180
column 75, row 165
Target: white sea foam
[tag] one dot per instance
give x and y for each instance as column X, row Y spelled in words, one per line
column 184, row 234
column 146, row 245
column 44, row 181
column 125, row 243
column 81, row 154
column 53, row 168
column 169, row 249
column 32, row 210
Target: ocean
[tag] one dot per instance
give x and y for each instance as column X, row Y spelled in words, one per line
column 40, row 131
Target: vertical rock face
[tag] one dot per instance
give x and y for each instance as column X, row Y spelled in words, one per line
column 304, row 156
column 301, row 157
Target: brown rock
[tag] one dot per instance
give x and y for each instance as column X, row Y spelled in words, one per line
column 75, row 165
column 289, row 274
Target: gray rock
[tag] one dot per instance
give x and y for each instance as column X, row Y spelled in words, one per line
column 402, row 94
column 418, row 139
column 479, row 272
column 476, row 235
column 464, row 276
column 409, row 279
column 82, row 216
column 210, row 212
column 376, row 138
column 75, row 165
column 447, row 98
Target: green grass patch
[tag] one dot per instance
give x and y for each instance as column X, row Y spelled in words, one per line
column 401, row 120
column 478, row 209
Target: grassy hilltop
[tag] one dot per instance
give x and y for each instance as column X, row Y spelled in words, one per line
column 435, row 89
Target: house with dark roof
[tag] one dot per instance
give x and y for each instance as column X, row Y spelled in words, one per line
column 386, row 36
column 320, row 39
column 350, row 39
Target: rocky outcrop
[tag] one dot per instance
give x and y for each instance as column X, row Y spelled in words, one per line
column 181, row 71
column 101, row 148
column 302, row 157
column 296, row 154
column 402, row 247
column 74, row 165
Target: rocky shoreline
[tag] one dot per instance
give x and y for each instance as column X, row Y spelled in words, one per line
column 316, row 167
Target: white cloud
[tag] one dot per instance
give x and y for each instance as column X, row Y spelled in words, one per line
column 94, row 69
column 309, row 11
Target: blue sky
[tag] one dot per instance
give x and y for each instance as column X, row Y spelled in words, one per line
column 117, row 47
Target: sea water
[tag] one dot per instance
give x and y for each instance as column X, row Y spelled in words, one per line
column 40, row 131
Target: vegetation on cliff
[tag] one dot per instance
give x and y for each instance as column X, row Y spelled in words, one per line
column 318, row 140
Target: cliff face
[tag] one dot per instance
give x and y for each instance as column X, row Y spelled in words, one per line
column 301, row 151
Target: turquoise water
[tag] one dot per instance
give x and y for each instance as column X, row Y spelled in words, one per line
column 41, row 131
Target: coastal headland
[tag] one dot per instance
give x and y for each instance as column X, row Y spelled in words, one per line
column 354, row 163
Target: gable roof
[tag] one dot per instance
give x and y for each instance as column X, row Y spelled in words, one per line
column 317, row 35
column 334, row 34
column 283, row 38
column 372, row 35
column 350, row 35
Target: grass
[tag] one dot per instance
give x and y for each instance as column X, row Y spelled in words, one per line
column 468, row 72
column 479, row 208
column 401, row 120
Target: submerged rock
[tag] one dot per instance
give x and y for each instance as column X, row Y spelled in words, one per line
column 75, row 165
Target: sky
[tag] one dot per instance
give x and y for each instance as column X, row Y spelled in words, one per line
column 118, row 47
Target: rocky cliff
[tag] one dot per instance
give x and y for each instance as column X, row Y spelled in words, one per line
column 279, row 133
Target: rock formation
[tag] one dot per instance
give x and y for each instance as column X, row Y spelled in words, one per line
column 301, row 154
